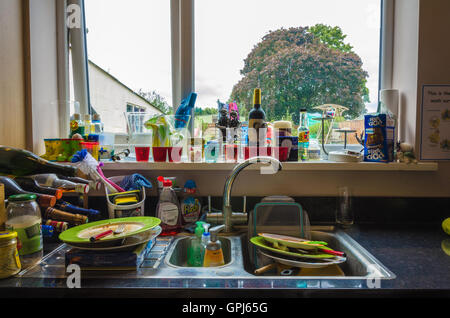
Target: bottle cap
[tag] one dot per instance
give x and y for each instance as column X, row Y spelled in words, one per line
column 46, row 200
column 96, row 117
column 22, row 197
column 87, row 117
column 303, row 109
column 199, row 230
column 76, row 116
column 257, row 96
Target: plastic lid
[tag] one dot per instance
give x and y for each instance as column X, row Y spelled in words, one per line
column 7, row 235
column 190, row 184
column 165, row 182
column 303, row 109
column 76, row 116
column 21, row 197
column 87, row 117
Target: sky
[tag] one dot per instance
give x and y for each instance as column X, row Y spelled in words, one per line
column 131, row 39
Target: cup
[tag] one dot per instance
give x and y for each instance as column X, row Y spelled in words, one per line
column 174, row 154
column 231, row 153
column 344, row 209
column 159, row 154
column 142, row 153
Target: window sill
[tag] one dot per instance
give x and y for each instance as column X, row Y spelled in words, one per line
column 287, row 166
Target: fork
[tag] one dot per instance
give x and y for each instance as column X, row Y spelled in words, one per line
column 119, row 229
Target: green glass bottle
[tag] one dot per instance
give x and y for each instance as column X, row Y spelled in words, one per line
column 20, row 162
column 256, row 121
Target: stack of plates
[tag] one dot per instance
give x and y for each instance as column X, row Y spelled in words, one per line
column 137, row 230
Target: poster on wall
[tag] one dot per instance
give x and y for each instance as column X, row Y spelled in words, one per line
column 435, row 119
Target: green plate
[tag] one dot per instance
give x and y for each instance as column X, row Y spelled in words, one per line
column 289, row 241
column 261, row 242
column 133, row 225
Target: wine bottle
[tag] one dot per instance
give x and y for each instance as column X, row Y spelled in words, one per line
column 59, row 226
column 29, row 184
column 67, row 207
column 20, row 162
column 58, row 215
column 51, row 180
column 256, row 121
column 92, row 184
column 11, row 188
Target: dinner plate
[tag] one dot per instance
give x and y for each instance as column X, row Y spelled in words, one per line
column 136, row 227
column 129, row 242
column 261, row 242
column 310, row 264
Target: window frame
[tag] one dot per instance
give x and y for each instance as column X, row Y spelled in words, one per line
column 182, row 25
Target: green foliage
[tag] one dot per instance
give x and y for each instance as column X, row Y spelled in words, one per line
column 331, row 36
column 157, row 101
column 205, row 111
column 297, row 68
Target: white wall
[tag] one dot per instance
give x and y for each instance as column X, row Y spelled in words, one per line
column 110, row 98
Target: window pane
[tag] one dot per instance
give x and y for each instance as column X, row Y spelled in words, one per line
column 128, row 45
column 302, row 54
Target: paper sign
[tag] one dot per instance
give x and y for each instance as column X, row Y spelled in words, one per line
column 435, row 118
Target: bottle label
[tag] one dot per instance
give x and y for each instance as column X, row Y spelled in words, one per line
column 190, row 209
column 213, row 258
column 168, row 213
column 29, row 237
column 303, row 136
column 257, row 131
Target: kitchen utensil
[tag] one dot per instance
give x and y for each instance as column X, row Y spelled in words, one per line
column 119, row 229
column 261, row 242
column 101, row 235
column 134, row 227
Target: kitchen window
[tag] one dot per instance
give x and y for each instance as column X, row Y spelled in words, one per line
column 144, row 43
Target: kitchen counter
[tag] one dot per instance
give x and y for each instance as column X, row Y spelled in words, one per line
column 413, row 254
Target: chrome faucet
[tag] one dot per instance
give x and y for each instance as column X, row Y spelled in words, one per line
column 226, row 209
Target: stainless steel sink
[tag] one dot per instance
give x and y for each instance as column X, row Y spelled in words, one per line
column 178, row 255
column 360, row 264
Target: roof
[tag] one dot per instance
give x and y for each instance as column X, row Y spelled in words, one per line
column 122, row 84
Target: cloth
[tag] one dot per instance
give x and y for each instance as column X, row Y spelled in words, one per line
column 135, row 182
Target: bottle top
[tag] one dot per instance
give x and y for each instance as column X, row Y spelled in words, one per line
column 257, row 96
column 165, row 182
column 303, row 110
column 22, row 197
column 199, row 230
column 96, row 117
column 87, row 117
column 76, row 116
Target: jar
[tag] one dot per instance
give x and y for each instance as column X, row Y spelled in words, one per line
column 9, row 257
column 24, row 217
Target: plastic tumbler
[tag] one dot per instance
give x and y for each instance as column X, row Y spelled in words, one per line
column 142, row 153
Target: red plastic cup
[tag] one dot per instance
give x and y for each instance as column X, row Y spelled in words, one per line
column 174, row 154
column 159, row 154
column 250, row 152
column 231, row 153
column 265, row 151
column 142, row 153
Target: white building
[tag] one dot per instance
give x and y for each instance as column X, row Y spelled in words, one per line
column 112, row 99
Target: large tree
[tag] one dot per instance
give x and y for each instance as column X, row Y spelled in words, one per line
column 302, row 68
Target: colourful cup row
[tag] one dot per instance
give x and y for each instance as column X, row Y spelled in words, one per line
column 160, row 154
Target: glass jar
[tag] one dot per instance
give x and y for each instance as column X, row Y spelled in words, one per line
column 24, row 217
column 9, row 257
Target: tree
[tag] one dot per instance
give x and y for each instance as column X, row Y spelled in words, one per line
column 299, row 68
column 205, row 111
column 156, row 100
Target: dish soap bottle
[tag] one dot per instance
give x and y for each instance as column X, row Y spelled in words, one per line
column 168, row 209
column 196, row 251
column 213, row 251
column 190, row 206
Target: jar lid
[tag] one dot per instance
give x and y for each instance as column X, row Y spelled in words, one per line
column 4, row 235
column 21, row 197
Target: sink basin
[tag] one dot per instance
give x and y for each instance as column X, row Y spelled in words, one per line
column 177, row 256
column 360, row 264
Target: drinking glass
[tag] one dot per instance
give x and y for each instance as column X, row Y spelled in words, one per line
column 344, row 209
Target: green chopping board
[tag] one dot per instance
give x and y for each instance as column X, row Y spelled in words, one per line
column 261, row 242
column 133, row 225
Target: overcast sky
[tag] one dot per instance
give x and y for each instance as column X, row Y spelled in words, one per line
column 131, row 38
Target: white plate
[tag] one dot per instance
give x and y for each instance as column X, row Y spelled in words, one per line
column 314, row 264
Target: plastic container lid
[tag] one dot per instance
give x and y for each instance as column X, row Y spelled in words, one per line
column 21, row 197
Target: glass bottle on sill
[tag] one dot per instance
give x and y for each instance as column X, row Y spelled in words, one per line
column 303, row 135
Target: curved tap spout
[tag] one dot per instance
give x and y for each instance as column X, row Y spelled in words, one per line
column 226, row 209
